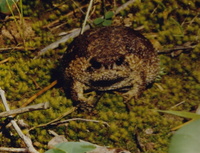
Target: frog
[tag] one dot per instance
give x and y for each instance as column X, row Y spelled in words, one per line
column 112, row 59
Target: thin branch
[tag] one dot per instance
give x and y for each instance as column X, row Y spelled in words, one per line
column 16, row 48
column 55, row 120
column 25, row 109
column 2, row 93
column 4, row 149
column 5, row 60
column 79, row 119
column 124, row 6
column 25, row 138
column 39, row 93
column 78, row 7
column 165, row 51
column 64, row 39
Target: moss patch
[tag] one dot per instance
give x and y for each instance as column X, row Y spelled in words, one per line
column 165, row 23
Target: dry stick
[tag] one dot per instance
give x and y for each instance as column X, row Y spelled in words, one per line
column 3, row 61
column 124, row 6
column 25, row 138
column 55, row 44
column 4, row 149
column 25, row 109
column 87, row 15
column 79, row 119
column 16, row 48
column 55, row 120
column 165, row 51
column 39, row 93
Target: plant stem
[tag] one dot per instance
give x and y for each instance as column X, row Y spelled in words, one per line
column 86, row 17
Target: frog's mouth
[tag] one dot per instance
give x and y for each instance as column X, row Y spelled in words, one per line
column 106, row 83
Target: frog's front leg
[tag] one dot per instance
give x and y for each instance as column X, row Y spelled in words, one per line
column 78, row 95
column 133, row 93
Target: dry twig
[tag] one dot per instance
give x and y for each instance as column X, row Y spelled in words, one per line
column 4, row 149
column 25, row 138
column 39, row 93
column 176, row 48
column 25, row 109
column 16, row 48
column 55, row 44
column 4, row 61
column 79, row 119
column 124, row 6
column 87, row 16
column 55, row 120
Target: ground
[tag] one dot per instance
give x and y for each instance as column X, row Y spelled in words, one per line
column 168, row 25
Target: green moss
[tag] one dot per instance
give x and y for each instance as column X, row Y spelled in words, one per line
column 177, row 87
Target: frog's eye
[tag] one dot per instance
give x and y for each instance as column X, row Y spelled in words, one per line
column 120, row 61
column 95, row 64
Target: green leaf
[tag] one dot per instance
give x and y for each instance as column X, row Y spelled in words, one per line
column 72, row 147
column 109, row 15
column 6, row 6
column 98, row 21
column 186, row 139
column 182, row 114
column 107, row 22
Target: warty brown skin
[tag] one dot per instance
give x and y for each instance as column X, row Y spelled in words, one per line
column 109, row 59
